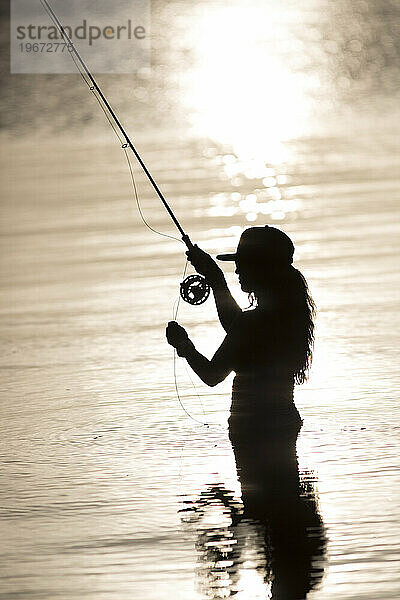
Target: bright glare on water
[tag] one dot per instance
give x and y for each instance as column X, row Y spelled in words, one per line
column 242, row 88
column 252, row 113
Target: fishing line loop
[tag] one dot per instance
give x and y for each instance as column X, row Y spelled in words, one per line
column 194, row 289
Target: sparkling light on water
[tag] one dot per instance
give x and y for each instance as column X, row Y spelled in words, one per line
column 242, row 90
column 98, row 456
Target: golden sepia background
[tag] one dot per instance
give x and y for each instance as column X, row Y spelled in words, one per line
column 283, row 112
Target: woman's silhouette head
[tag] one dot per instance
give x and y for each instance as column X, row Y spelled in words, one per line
column 263, row 259
column 262, row 254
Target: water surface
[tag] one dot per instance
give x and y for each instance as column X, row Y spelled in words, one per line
column 293, row 122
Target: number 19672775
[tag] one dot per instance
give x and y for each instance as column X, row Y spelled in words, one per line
column 45, row 47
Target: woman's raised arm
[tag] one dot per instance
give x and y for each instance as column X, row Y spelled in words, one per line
column 227, row 308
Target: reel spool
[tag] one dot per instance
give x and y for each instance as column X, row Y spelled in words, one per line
column 194, row 289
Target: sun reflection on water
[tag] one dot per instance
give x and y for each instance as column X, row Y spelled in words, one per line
column 246, row 92
column 262, row 202
column 243, row 89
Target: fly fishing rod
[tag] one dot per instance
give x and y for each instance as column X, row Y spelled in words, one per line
column 194, row 289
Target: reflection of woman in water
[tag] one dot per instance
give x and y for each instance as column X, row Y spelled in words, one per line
column 282, row 551
column 269, row 348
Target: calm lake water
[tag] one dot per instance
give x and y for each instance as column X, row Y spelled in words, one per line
column 253, row 112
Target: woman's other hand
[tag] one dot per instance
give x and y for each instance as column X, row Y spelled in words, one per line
column 178, row 338
column 204, row 264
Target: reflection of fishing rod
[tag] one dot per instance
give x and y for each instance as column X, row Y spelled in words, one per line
column 194, row 289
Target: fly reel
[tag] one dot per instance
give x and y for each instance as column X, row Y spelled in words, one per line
column 194, row 289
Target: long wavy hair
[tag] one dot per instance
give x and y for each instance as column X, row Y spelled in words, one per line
column 295, row 314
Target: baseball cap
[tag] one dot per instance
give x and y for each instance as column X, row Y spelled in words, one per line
column 259, row 244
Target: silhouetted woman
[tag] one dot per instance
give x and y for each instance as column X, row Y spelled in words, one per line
column 268, row 347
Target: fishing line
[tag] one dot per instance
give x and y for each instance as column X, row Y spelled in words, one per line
column 180, row 400
column 177, row 302
column 174, row 317
column 123, row 144
column 117, row 123
column 138, row 203
column 195, row 388
column 194, row 289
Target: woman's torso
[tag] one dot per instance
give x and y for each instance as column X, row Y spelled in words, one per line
column 262, row 394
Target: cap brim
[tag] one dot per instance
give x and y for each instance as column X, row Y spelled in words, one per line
column 226, row 256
